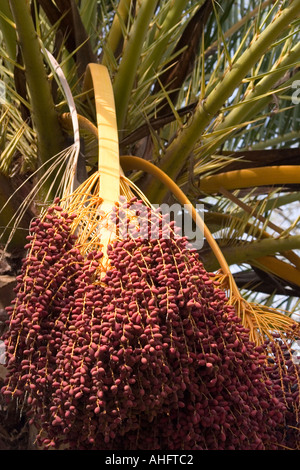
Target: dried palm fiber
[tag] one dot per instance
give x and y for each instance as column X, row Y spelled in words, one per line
column 126, row 342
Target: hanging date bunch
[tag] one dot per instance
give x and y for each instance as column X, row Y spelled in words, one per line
column 125, row 342
column 147, row 357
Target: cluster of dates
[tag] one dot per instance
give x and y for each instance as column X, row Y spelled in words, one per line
column 148, row 357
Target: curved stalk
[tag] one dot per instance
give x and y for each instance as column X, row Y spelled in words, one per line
column 279, row 268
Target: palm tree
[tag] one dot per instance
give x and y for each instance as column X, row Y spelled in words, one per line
column 206, row 92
